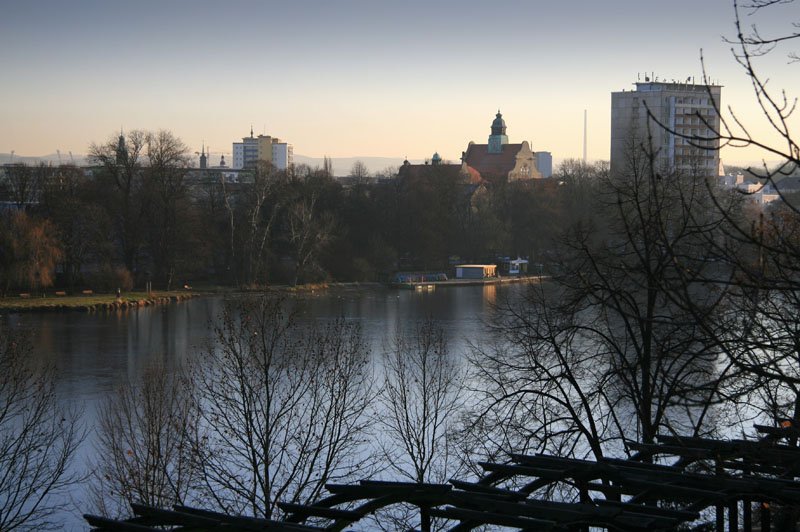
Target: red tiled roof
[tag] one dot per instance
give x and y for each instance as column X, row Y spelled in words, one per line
column 492, row 165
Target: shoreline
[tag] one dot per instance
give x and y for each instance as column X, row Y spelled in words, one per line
column 133, row 300
column 469, row 282
column 93, row 302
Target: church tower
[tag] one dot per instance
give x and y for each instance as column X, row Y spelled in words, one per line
column 498, row 137
column 122, row 151
column 203, row 158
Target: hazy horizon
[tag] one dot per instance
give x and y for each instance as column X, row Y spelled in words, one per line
column 357, row 78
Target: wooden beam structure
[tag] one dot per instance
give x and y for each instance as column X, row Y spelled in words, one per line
column 677, row 482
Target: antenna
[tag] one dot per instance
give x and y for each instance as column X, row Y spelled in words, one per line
column 12, row 157
column 58, row 152
column 584, row 136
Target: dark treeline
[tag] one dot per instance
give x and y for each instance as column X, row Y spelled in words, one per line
column 141, row 213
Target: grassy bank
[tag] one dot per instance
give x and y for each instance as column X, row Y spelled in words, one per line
column 91, row 302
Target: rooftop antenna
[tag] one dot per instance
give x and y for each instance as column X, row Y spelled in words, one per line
column 12, row 157
column 58, row 152
column 584, row 136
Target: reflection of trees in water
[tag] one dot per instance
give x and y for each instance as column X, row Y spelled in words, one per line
column 606, row 351
column 281, row 414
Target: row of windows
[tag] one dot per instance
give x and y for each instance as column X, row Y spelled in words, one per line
column 693, row 101
column 694, row 111
column 694, row 132
column 691, row 151
column 688, row 120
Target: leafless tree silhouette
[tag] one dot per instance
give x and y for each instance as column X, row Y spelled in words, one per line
column 38, row 440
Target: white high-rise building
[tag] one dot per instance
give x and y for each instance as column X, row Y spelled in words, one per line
column 683, row 109
column 262, row 148
column 282, row 155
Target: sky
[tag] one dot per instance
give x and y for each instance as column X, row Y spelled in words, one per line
column 357, row 77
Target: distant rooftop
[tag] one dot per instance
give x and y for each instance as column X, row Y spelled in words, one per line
column 655, row 86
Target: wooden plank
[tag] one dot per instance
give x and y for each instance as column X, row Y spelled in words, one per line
column 320, row 511
column 490, row 518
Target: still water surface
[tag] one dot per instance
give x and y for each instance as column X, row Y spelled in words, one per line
column 94, row 352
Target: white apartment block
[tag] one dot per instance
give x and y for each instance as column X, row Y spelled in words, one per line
column 262, row 148
column 683, row 109
column 245, row 152
column 282, row 155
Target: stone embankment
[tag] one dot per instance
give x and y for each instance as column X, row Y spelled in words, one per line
column 121, row 304
column 89, row 302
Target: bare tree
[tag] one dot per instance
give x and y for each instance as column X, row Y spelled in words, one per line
column 282, row 409
column 759, row 333
column 606, row 352
column 252, row 210
column 310, row 231
column 359, row 173
column 25, row 183
column 82, row 224
column 143, row 451
column 420, row 406
column 327, row 167
column 167, row 194
column 121, row 159
column 38, row 440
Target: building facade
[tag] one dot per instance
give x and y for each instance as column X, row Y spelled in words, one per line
column 544, row 163
column 282, row 155
column 262, row 148
column 682, row 134
column 499, row 160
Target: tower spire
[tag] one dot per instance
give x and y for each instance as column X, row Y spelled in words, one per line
column 203, row 158
column 498, row 137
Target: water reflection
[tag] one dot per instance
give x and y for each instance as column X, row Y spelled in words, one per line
column 94, row 352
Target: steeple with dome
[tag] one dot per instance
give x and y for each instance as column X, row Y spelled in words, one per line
column 498, row 137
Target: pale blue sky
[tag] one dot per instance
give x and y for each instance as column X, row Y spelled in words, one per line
column 351, row 78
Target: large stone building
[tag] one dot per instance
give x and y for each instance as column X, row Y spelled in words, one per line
column 262, row 148
column 493, row 162
column 498, row 160
column 681, row 110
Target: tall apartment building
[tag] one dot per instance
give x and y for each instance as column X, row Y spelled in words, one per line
column 684, row 109
column 262, row 148
column 544, row 163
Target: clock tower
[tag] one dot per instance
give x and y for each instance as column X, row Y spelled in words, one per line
column 498, row 137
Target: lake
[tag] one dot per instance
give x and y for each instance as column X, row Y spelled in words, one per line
column 94, row 352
